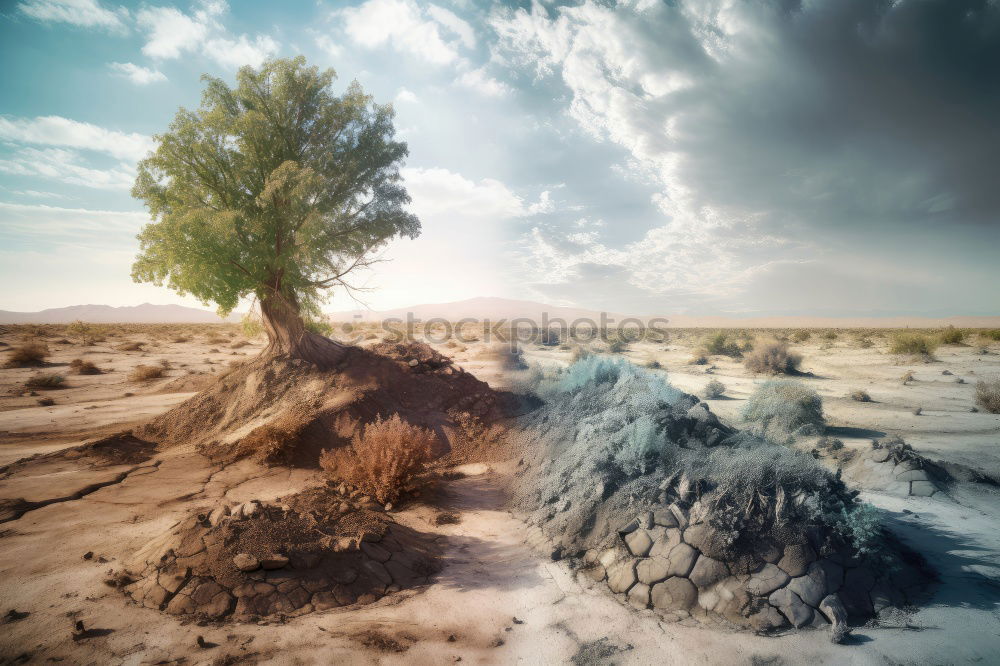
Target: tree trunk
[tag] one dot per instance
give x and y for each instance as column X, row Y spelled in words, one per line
column 287, row 334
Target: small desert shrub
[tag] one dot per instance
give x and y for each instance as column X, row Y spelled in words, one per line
column 772, row 358
column 993, row 334
column 654, row 365
column 180, row 339
column 83, row 367
column 801, row 336
column 988, row 394
column 865, row 343
column 952, row 336
column 829, row 335
column 45, row 381
column 579, row 353
column 714, row 389
column 698, row 359
column 913, row 344
column 130, row 346
column 252, row 325
column 907, row 377
column 216, row 340
column 382, row 460
column 721, row 343
column 145, row 373
column 30, row 353
column 860, row 396
column 779, row 408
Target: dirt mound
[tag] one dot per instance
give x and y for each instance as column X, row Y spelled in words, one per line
column 289, row 410
column 188, row 383
column 308, row 552
column 122, row 448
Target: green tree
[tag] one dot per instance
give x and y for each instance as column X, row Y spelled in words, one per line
column 275, row 189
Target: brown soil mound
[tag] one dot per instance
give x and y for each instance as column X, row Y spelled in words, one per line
column 122, row 448
column 188, row 383
column 312, row 551
column 287, row 410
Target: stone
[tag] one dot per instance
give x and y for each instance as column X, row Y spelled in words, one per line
column 796, row 559
column 413, row 363
column 375, row 551
column 922, row 488
column 638, row 595
column 621, row 576
column 766, row 619
column 708, row 571
column 639, row 542
column 682, row 520
column 707, row 539
column 249, row 509
column 791, row 606
column 664, row 517
column 597, row 572
column 674, row 594
column 768, row 551
column 378, row 571
column 836, row 614
column 218, row 514
column 880, row 596
column 345, row 576
column 811, row 588
column 662, row 546
column 653, row 570
column 767, row 580
column 403, row 575
column 880, row 455
column 913, row 475
column 273, row 561
column 218, row 606
column 646, row 520
column 245, row 562
column 681, row 558
column 854, row 593
column 833, row 574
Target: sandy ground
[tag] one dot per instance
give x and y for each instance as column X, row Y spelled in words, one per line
column 499, row 599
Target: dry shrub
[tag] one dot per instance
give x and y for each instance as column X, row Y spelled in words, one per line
column 145, row 373
column 860, row 396
column 274, row 443
column 216, row 340
column 383, row 460
column 914, row 344
column 46, row 381
column 130, row 346
column 907, row 377
column 952, row 336
column 714, row 389
column 181, row 339
column 772, row 358
column 30, row 353
column 988, row 394
column 83, row 367
column 801, row 336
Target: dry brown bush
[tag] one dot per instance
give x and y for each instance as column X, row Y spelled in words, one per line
column 383, row 460
column 46, row 381
column 145, row 373
column 988, row 394
column 216, row 340
column 860, row 396
column 30, row 353
column 83, row 367
column 772, row 358
column 130, row 346
column 181, row 339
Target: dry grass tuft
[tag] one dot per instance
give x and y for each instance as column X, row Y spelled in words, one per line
column 907, row 377
column 860, row 396
column 130, row 346
column 83, row 367
column 772, row 358
column 383, row 460
column 145, row 373
column 52, row 381
column 30, row 353
column 988, row 394
column 714, row 389
column 913, row 344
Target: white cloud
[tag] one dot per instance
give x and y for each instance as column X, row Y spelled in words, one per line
column 408, row 28
column 479, row 81
column 438, row 191
column 64, row 166
column 137, row 74
column 72, row 224
column 82, row 13
column 171, row 33
column 328, row 46
column 406, row 96
column 63, row 132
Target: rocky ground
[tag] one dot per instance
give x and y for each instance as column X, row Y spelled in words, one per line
column 499, row 597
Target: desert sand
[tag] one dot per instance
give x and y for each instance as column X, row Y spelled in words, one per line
column 499, row 597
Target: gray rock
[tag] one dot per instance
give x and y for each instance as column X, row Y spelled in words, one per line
column 791, row 606
column 880, row 455
column 833, row 574
column 646, row 520
column 922, row 488
column 681, row 558
column 621, row 576
column 707, row 539
column 638, row 595
column 766, row 619
column 378, row 571
column 653, row 570
column 797, row 559
column 273, row 561
column 674, row 594
column 375, row 551
column 666, row 543
column 639, row 542
column 245, row 562
column 767, row 580
column 218, row 514
column 854, row 594
column 811, row 587
column 682, row 520
column 913, row 475
column 835, row 612
column 708, row 571
column 250, row 509
column 664, row 517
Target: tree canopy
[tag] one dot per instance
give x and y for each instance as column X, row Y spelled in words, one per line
column 276, row 188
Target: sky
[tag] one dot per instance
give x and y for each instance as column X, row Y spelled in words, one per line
column 814, row 157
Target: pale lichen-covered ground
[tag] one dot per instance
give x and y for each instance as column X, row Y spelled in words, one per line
column 498, row 599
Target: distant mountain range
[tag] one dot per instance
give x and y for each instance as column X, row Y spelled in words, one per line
column 491, row 308
column 147, row 313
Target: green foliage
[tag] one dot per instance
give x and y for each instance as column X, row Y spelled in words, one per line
column 860, row 525
column 276, row 187
column 801, row 336
column 252, row 325
column 318, row 325
column 912, row 343
column 721, row 343
column 952, row 336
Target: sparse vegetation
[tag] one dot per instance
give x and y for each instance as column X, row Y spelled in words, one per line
column 145, row 373
column 801, row 336
column 860, row 396
column 83, row 367
column 383, row 459
column 952, row 336
column 988, row 394
column 714, row 389
column 913, row 344
column 907, row 377
column 721, row 343
column 780, row 408
column 27, row 354
column 47, row 381
column 130, row 346
column 772, row 357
